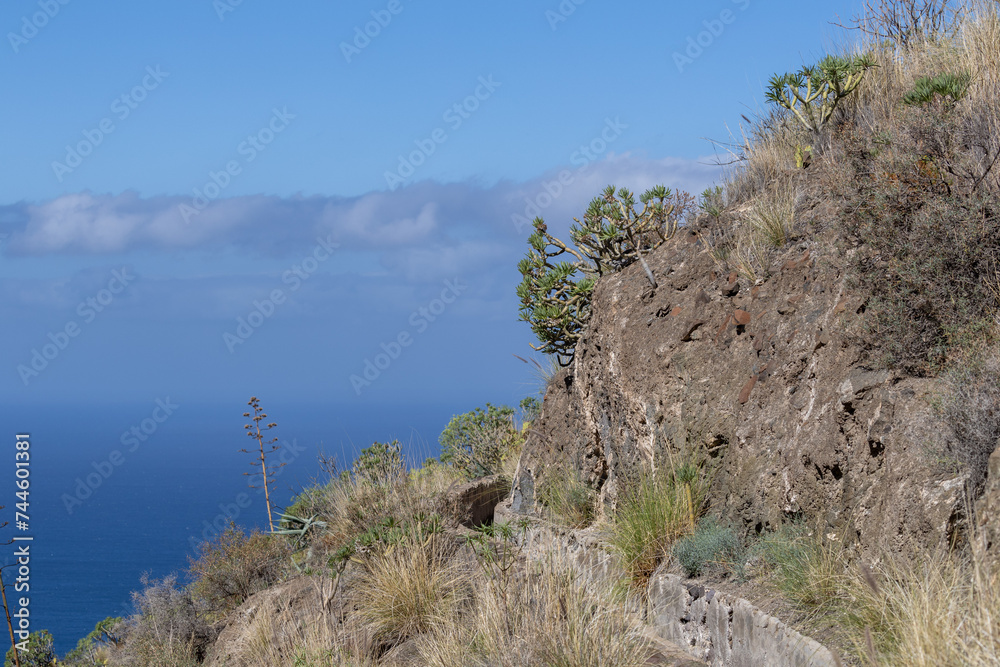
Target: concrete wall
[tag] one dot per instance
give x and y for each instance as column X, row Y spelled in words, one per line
column 722, row 630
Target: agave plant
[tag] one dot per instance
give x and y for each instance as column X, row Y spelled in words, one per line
column 298, row 528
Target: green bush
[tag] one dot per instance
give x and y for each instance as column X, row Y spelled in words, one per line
column 477, row 442
column 380, row 464
column 808, row 571
column 95, row 647
column 710, row 544
column 554, row 295
column 235, row 566
column 38, row 651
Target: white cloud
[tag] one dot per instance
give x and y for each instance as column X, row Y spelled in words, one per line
column 432, row 219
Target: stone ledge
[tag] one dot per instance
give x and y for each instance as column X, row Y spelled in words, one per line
column 722, row 630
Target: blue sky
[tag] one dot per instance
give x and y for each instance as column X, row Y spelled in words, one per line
column 210, row 200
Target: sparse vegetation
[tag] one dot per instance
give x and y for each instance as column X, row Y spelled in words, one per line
column 906, row 159
column 568, row 497
column 233, row 567
column 169, row 629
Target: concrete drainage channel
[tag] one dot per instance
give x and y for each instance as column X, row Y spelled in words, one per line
column 711, row 626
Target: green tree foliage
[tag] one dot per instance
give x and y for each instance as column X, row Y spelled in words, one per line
column 93, row 649
column 555, row 291
column 555, row 298
column 477, row 442
column 380, row 464
column 813, row 93
column 38, row 651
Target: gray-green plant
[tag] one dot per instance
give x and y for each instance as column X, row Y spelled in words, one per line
column 948, row 86
column 555, row 291
column 614, row 234
column 298, row 528
column 813, row 92
column 710, row 544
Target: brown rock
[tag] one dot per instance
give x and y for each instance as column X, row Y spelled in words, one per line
column 634, row 395
column 741, row 317
column 988, row 507
column 732, row 286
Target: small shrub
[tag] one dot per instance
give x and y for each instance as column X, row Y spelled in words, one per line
column 772, row 215
column 569, row 498
column 808, row 570
column 813, row 93
column 554, row 617
column 971, row 404
column 95, row 648
column 168, row 629
column 713, row 201
column 710, row 545
column 477, row 443
column 555, row 295
column 235, row 566
column 407, row 591
column 379, row 465
column 904, row 23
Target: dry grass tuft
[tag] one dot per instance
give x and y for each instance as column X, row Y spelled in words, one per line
column 557, row 619
column 409, row 590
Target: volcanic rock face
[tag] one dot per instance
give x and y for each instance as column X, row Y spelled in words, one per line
column 771, row 379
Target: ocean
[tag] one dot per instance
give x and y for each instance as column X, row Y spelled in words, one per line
column 100, row 520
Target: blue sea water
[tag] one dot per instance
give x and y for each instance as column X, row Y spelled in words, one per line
column 160, row 499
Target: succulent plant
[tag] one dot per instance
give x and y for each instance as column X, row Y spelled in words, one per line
column 555, row 295
column 813, row 93
column 926, row 89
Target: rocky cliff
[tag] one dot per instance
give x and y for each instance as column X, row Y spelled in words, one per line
column 769, row 380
